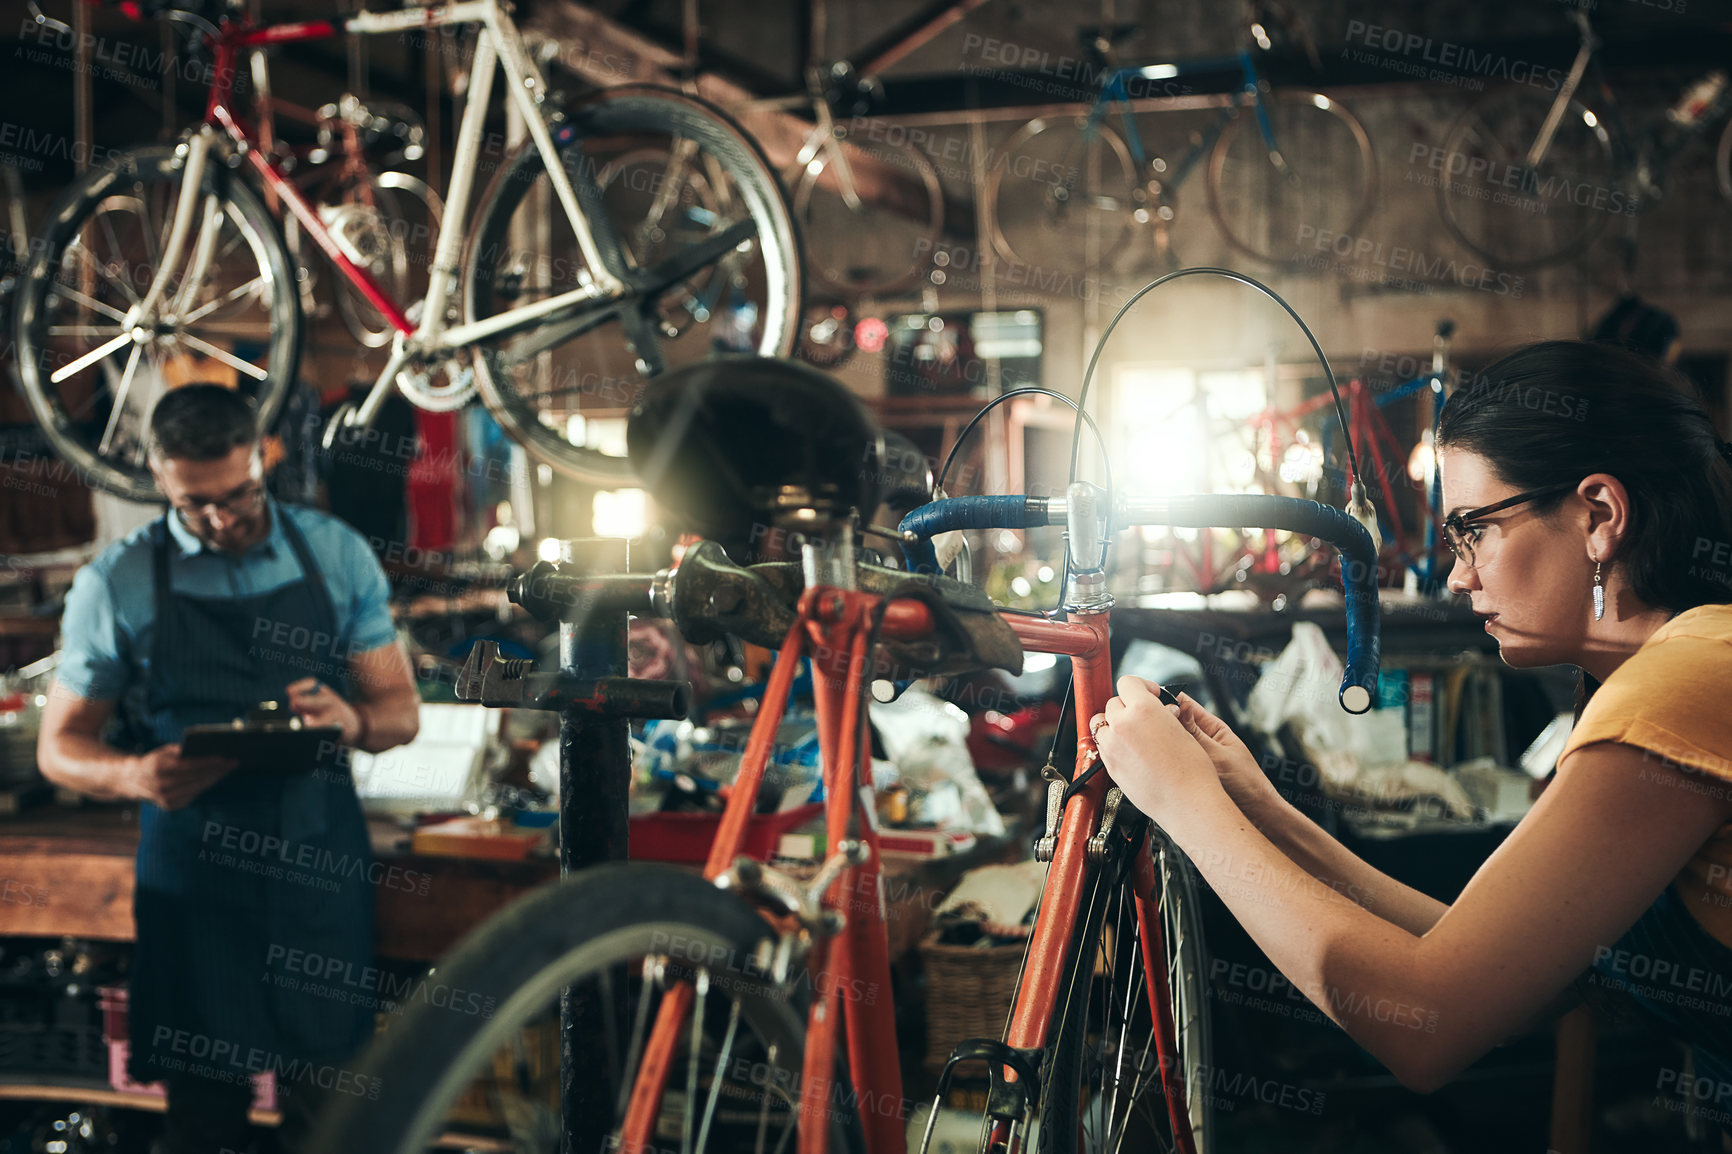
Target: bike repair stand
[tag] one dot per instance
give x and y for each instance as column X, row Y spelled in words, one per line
column 596, row 702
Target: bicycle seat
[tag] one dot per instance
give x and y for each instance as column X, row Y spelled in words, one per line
column 744, row 441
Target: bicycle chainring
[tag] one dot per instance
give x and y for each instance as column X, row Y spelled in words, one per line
column 441, row 386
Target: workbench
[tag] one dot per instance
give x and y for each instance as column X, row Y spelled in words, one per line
column 69, row 873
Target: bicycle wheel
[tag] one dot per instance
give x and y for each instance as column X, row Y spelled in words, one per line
column 1059, row 190
column 1518, row 216
column 1102, row 1080
column 91, row 371
column 882, row 245
column 1325, row 180
column 707, row 224
column 388, row 225
column 615, row 938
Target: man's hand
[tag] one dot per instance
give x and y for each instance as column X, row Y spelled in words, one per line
column 169, row 780
column 319, row 704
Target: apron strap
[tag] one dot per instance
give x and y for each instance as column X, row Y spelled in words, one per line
column 315, row 580
column 161, row 593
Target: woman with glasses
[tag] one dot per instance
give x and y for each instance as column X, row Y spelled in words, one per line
column 1590, row 501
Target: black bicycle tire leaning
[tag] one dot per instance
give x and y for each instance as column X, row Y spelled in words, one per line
column 1364, row 197
column 1062, row 1069
column 63, row 222
column 1452, row 146
column 520, row 958
column 620, row 110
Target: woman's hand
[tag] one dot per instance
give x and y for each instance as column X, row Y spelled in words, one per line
column 1241, row 776
column 1159, row 763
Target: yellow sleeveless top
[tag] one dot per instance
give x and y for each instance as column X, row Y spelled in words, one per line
column 1672, row 699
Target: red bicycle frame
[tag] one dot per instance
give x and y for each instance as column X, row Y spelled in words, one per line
column 229, row 44
column 836, row 628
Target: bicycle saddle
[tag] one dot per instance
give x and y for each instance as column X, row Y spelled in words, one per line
column 743, row 441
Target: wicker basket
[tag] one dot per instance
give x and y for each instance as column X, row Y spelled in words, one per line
column 969, row 990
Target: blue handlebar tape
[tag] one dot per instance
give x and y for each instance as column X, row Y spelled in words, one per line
column 1358, row 563
column 1013, row 512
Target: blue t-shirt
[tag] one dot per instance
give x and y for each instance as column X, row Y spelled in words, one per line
column 110, row 618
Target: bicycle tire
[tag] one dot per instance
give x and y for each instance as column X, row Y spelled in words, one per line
column 1053, row 240
column 409, row 212
column 546, row 941
column 270, row 313
column 1516, row 237
column 1075, row 1059
column 628, row 114
column 856, row 251
column 1284, row 234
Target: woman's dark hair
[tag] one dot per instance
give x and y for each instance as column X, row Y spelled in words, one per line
column 202, row 423
column 1554, row 412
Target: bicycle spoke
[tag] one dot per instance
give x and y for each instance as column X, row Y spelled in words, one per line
column 82, row 330
column 640, row 1032
column 699, row 1002
column 100, row 270
column 120, row 399
column 220, row 354
column 78, row 245
column 205, row 309
column 99, row 353
column 722, row 1053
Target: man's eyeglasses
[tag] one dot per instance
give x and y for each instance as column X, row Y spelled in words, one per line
column 1461, row 534
column 237, row 504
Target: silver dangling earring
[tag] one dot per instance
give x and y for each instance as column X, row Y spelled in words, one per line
column 1599, row 593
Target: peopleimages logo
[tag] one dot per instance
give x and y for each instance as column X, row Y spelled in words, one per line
column 1363, row 252
column 1514, row 186
column 1458, row 59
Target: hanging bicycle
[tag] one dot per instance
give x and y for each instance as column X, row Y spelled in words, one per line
column 571, row 291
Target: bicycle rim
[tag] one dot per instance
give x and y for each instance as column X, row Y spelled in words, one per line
column 484, row 1062
column 90, row 376
column 882, row 245
column 563, row 388
column 1324, row 183
column 1518, row 216
column 1102, row 1089
column 1058, row 189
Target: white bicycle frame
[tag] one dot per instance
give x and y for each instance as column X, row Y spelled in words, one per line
column 499, row 45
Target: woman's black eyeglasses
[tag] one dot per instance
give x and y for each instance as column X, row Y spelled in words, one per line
column 1460, row 532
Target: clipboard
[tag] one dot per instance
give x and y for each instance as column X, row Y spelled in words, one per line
column 270, row 747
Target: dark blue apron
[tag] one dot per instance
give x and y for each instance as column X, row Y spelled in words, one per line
column 261, row 887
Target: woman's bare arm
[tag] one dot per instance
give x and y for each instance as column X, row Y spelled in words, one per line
column 1600, row 845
